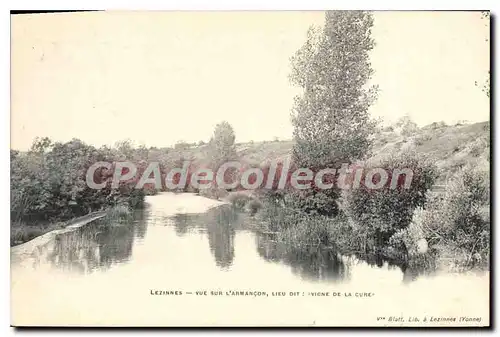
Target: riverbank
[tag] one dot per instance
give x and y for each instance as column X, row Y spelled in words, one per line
column 29, row 246
column 23, row 233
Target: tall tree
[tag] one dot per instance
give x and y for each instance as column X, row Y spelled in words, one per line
column 330, row 118
column 222, row 144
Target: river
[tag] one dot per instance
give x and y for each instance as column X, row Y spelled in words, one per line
column 186, row 260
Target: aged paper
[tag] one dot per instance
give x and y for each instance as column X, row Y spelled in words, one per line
column 358, row 144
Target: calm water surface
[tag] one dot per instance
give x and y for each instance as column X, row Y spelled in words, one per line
column 105, row 274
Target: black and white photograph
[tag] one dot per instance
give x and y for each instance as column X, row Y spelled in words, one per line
column 250, row 168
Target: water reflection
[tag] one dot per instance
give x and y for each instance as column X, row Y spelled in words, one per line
column 75, row 251
column 308, row 262
column 183, row 222
column 140, row 219
column 188, row 251
column 98, row 245
column 220, row 224
column 102, row 244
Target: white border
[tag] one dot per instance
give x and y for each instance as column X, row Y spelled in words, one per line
column 255, row 5
column 183, row 5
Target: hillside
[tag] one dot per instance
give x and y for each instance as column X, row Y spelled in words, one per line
column 449, row 146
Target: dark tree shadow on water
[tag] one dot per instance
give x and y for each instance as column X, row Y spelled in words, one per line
column 311, row 262
column 220, row 224
column 115, row 243
column 140, row 219
column 183, row 222
column 308, row 262
column 98, row 245
column 76, row 251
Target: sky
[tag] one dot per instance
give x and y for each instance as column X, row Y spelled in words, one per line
column 162, row 77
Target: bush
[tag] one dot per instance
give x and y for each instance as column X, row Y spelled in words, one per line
column 48, row 183
column 456, row 225
column 421, row 139
column 406, row 126
column 305, row 230
column 254, row 206
column 380, row 213
column 299, row 229
column 119, row 212
column 314, row 201
column 238, row 200
column 275, row 216
column 244, row 201
column 478, row 147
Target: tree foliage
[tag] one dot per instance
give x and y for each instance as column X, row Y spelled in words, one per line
column 221, row 144
column 330, row 117
column 381, row 212
column 456, row 224
column 49, row 181
column 486, row 88
column 406, row 126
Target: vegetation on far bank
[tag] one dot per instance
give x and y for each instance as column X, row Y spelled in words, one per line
column 48, row 187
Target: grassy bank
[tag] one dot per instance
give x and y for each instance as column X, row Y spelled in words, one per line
column 23, row 232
